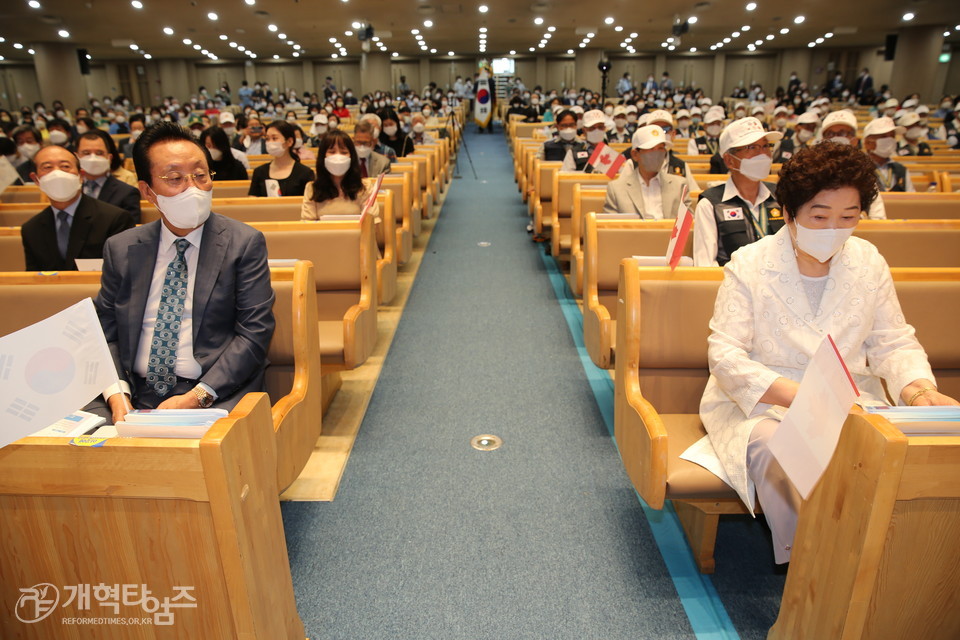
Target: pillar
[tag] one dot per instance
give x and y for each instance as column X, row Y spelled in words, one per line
column 375, row 72
column 541, row 77
column 585, row 71
column 174, row 78
column 58, row 73
column 425, row 74
column 915, row 63
column 719, row 80
column 310, row 82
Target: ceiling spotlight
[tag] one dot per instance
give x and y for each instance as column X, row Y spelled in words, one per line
column 34, row 4
column 758, row 42
column 281, row 36
column 148, row 56
column 538, row 20
column 751, row 6
column 671, row 48
column 223, row 36
column 449, row 53
column 829, row 34
column 212, row 15
column 811, row 44
column 289, row 43
column 726, row 40
column 552, row 29
column 428, row 23
column 276, row 57
column 63, row 33
column 348, row 33
column 483, row 29
column 608, row 20
column 634, row 34
column 133, row 47
column 272, row 27
column 233, row 45
column 513, row 52
column 418, row 37
column 415, row 31
column 769, row 36
column 784, row 31
column 296, row 54
column 532, row 49
column 909, row 15
column 798, row 20
column 569, row 52
column 197, row 47
column 136, row 4
column 590, row 35
column 204, row 52
column 297, row 47
column 187, row 41
column 483, row 8
column 745, row 27
column 693, row 49
column 751, row 47
column 433, row 50
column 819, row 40
column 332, row 40
column 713, row 47
column 17, row 45
column 356, row 25
column 669, row 40
column 250, row 2
column 547, row 36
column 395, row 54
column 618, row 28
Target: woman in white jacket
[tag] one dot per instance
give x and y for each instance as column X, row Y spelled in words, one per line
column 780, row 296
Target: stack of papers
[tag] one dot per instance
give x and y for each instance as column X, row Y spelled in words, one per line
column 921, row 421
column 169, row 423
column 77, row 423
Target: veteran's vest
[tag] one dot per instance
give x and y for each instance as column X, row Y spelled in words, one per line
column 736, row 224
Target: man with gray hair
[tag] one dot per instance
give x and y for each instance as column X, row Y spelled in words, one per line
column 372, row 163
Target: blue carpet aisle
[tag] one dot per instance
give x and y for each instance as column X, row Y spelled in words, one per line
column 544, row 538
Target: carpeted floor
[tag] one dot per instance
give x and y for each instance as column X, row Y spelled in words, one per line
column 543, row 538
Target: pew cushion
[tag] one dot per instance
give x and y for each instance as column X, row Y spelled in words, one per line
column 687, row 479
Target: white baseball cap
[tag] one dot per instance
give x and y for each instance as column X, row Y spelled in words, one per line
column 619, row 110
column 892, row 103
column 660, row 115
column 910, row 104
column 908, row 120
column 593, row 117
column 881, row 126
column 713, row 114
column 650, row 136
column 809, row 117
column 844, row 117
column 225, row 117
column 683, row 113
column 744, row 131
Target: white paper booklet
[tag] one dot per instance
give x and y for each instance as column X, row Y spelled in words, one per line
column 77, row 423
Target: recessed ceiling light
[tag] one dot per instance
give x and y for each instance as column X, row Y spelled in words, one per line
column 133, row 47
column 713, row 47
column 297, row 47
column 233, row 45
column 569, row 52
column 281, row 36
column 213, row 15
column 671, row 48
column 829, row 34
column 348, row 33
column 272, row 27
column 251, row 2
column 745, row 27
column 547, row 36
column 735, row 34
column 751, row 6
column 784, row 31
column 333, row 40
column 483, row 29
column 17, row 45
column 276, row 57
column 428, row 23
column 187, row 41
column 449, row 53
column 538, row 20
column 532, row 49
column 758, row 42
column 63, row 33
column 433, row 50
column 693, row 49
column 751, row 47
column 148, row 56
column 692, row 20
column 136, row 4
column 819, row 40
column 356, row 25
column 663, row 44
column 591, row 34
column 483, row 8
column 552, row 29
column 513, row 52
column 811, row 44
column 798, row 20
column 669, row 40
column 289, row 43
column 204, row 52
column 618, row 28
column 634, row 34
column 608, row 20
column 395, row 54
column 909, row 15
column 770, row 36
column 34, row 4
column 418, row 37
column 197, row 47
column 296, row 54
column 223, row 37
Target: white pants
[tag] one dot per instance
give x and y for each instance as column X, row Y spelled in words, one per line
column 777, row 495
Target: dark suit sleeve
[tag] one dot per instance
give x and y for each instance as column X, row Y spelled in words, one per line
column 258, row 187
column 122, row 222
column 30, row 258
column 131, row 204
column 717, row 165
column 105, row 304
column 246, row 352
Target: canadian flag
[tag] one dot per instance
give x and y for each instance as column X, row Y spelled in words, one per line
column 605, row 159
column 373, row 196
column 678, row 239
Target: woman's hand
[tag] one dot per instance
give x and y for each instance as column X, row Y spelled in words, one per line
column 781, row 392
column 923, row 393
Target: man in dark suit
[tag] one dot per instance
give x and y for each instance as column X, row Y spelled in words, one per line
column 185, row 302
column 95, row 160
column 863, row 85
column 74, row 225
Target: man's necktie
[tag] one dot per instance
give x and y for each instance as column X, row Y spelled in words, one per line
column 363, row 168
column 63, row 232
column 161, row 376
column 90, row 188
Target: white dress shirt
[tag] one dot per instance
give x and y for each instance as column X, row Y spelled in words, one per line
column 652, row 198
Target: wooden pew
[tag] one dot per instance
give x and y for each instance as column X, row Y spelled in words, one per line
column 586, row 199
column 163, row 513
column 911, row 206
column 875, row 553
column 606, row 243
column 426, row 186
column 344, row 258
column 292, row 378
column 24, row 193
column 661, row 371
column 407, row 220
column 561, row 218
column 542, row 201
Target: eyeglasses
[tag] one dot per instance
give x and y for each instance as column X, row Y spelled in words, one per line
column 176, row 180
column 755, row 147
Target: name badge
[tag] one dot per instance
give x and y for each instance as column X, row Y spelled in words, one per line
column 733, row 213
column 583, row 154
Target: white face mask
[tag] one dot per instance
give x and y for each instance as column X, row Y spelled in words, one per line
column 608, row 110
column 297, row 143
column 390, row 130
column 230, row 131
column 620, row 123
column 913, row 133
column 821, row 244
column 188, row 209
column 320, row 129
column 337, row 164
column 756, row 168
column 804, row 136
column 568, row 134
column 95, row 165
column 364, row 150
column 135, row 134
column 275, row 148
column 631, row 117
column 216, row 155
column 60, row 186
column 885, row 147
column 82, row 129
column 28, row 150
column 595, row 136
column 58, row 137
column 713, row 130
column 418, row 127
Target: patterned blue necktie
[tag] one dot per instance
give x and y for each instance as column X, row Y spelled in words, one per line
column 63, row 232
column 161, row 376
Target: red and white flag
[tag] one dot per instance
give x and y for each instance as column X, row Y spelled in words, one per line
column 373, row 196
column 681, row 229
column 606, row 159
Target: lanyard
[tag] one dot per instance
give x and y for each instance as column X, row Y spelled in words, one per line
column 885, row 176
column 760, row 227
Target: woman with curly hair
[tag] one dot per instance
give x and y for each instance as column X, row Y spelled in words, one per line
column 339, row 187
column 780, row 296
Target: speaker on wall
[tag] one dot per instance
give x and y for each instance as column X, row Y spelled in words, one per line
column 890, row 49
column 84, row 59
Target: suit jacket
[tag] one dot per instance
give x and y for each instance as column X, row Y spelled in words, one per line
column 122, row 195
column 624, row 195
column 763, row 328
column 377, row 163
column 232, row 302
column 93, row 222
